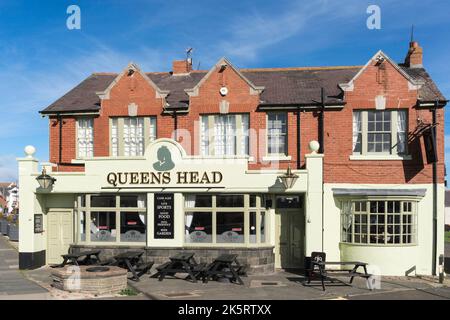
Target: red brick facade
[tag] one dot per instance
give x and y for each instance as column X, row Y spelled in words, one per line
column 338, row 168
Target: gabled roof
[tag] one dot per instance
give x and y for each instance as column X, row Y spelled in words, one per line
column 223, row 62
column 282, row 86
column 131, row 68
column 380, row 56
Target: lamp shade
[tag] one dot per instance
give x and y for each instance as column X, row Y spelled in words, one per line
column 288, row 179
column 45, row 181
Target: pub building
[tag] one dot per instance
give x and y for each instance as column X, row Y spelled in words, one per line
column 271, row 164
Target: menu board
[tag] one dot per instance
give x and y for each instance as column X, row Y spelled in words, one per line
column 38, row 223
column 164, row 216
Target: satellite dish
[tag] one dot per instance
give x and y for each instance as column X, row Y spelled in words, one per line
column 224, row 91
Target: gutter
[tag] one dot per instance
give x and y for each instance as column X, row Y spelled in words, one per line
column 303, row 106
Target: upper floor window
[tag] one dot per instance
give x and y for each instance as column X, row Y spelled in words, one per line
column 130, row 135
column 277, row 133
column 85, row 137
column 224, row 134
column 380, row 132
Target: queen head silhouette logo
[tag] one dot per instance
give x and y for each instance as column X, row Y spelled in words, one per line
column 164, row 162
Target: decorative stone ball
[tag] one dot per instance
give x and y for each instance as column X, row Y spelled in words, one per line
column 314, row 146
column 30, row 151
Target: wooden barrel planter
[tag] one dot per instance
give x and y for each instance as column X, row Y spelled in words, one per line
column 13, row 232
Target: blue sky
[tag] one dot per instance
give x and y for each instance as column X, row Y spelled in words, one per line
column 40, row 59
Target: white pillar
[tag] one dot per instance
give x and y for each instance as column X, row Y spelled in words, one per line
column 31, row 245
column 314, row 200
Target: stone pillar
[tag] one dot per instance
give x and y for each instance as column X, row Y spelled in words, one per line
column 314, row 200
column 31, row 245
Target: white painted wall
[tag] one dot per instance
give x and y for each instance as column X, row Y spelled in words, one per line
column 392, row 260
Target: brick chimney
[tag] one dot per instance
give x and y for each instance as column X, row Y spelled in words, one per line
column 182, row 66
column 414, row 58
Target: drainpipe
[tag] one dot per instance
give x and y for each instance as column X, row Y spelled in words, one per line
column 175, row 124
column 433, row 266
column 299, row 162
column 322, row 150
column 321, row 116
column 60, row 137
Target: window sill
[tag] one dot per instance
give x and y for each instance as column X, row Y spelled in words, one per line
column 277, row 158
column 379, row 245
column 382, row 157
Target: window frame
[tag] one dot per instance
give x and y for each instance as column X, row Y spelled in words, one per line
column 86, row 208
column 77, row 127
column 147, row 125
column 286, row 136
column 394, row 134
column 210, row 132
column 351, row 203
column 246, row 209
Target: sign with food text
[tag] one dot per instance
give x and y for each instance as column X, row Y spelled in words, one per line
column 164, row 216
column 38, row 223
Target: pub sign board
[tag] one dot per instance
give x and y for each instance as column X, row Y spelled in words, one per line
column 164, row 216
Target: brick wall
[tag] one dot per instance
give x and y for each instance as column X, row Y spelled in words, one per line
column 337, row 125
column 338, row 133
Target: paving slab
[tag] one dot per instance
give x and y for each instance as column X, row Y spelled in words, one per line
column 287, row 286
column 13, row 284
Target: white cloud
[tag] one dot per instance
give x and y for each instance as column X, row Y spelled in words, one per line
column 251, row 33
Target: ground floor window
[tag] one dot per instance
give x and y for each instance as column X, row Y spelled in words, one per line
column 112, row 218
column 224, row 219
column 379, row 222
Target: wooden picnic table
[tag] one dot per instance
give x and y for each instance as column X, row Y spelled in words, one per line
column 180, row 263
column 133, row 262
column 73, row 258
column 225, row 265
column 323, row 272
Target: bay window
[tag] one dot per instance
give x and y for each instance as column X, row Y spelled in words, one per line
column 380, row 132
column 223, row 135
column 379, row 222
column 130, row 135
column 85, row 137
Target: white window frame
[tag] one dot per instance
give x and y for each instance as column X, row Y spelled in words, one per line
column 84, row 206
column 207, row 127
column 149, row 128
column 80, row 127
column 393, row 154
column 259, row 209
column 286, row 149
column 348, row 210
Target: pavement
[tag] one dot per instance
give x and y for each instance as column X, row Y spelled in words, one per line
column 280, row 285
column 283, row 285
column 13, row 283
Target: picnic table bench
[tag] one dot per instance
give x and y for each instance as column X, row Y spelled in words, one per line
column 133, row 262
column 320, row 268
column 227, row 266
column 90, row 257
column 180, row 263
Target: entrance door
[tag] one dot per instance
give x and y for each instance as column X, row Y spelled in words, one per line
column 289, row 250
column 60, row 234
